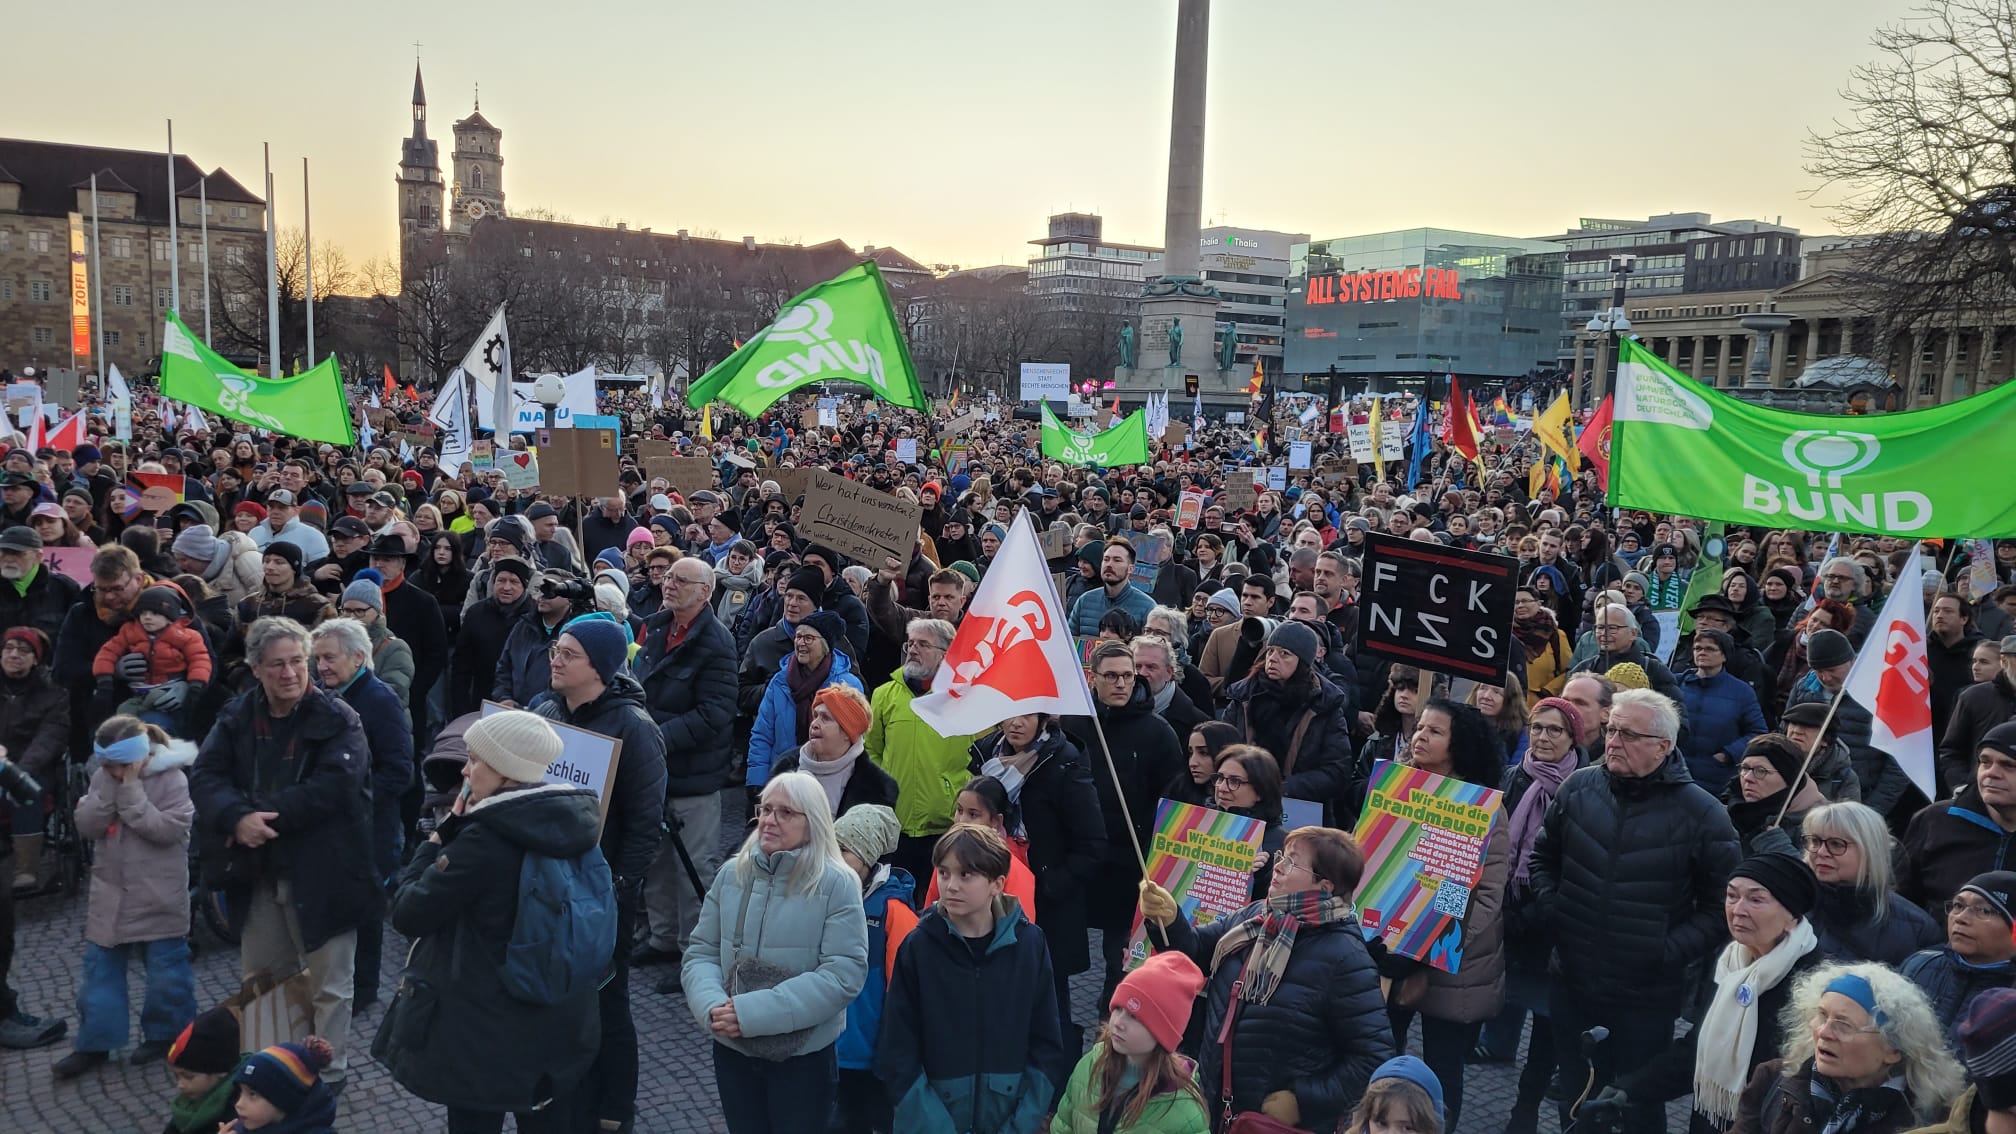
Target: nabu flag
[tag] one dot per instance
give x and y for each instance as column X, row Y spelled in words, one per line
column 1124, row 444
column 1678, row 446
column 310, row 406
column 843, row 330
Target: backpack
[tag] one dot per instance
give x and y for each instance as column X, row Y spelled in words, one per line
column 564, row 939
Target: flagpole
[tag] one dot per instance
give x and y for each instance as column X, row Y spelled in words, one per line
column 1791, row 789
column 272, row 273
column 203, row 226
column 97, row 287
column 1119, row 790
column 174, row 204
column 308, row 261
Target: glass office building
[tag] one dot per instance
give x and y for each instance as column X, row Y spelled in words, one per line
column 1423, row 301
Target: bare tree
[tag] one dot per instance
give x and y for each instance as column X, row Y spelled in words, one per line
column 1926, row 163
column 240, row 319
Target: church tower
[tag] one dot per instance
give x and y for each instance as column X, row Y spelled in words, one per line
column 420, row 186
column 479, row 171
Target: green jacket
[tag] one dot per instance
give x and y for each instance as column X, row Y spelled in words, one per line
column 928, row 769
column 1177, row 1113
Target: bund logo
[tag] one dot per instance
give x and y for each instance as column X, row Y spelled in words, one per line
column 806, row 322
column 1830, row 453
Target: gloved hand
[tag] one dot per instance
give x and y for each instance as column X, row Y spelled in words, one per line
column 132, row 667
column 1282, row 1107
column 1604, row 1110
column 104, row 689
column 196, row 689
column 1158, row 905
column 169, row 697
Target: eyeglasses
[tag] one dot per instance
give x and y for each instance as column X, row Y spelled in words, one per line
column 561, row 654
column 1116, row 675
column 1837, row 1029
column 1287, row 862
column 1548, row 730
column 1233, row 782
column 17, row 648
column 1835, row 848
column 1754, row 771
column 779, row 812
column 284, row 664
column 1627, row 735
column 1607, row 627
column 1973, row 911
column 357, row 611
column 656, row 572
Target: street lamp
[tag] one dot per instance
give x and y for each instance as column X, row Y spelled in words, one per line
column 549, row 391
column 1611, row 325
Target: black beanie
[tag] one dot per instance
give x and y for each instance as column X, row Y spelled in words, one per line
column 512, row 565
column 2002, row 738
column 1789, row 879
column 831, row 627
column 285, row 549
column 208, row 1046
column 164, row 601
column 811, row 581
column 1785, row 756
column 1297, row 639
column 731, row 519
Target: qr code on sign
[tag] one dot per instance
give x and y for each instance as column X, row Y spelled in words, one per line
column 1452, row 898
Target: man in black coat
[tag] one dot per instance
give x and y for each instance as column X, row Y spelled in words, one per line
column 605, row 527
column 414, row 617
column 688, row 671
column 1978, row 708
column 282, row 788
column 591, row 688
column 485, row 626
column 1628, row 873
column 31, row 592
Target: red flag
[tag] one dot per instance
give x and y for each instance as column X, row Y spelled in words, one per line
column 1595, row 443
column 389, row 384
column 66, row 437
column 411, row 392
column 1892, row 678
column 1462, row 430
column 38, row 433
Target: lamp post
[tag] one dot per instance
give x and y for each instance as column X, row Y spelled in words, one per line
column 549, row 391
column 1611, row 323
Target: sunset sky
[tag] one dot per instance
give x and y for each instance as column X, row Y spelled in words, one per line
column 950, row 130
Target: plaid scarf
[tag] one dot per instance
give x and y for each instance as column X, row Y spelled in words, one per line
column 1272, row 932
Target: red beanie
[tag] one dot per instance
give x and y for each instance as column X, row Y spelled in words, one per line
column 1159, row 994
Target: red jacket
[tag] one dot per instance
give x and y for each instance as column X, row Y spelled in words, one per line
column 177, row 652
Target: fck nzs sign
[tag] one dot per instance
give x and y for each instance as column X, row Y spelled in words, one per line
column 1437, row 607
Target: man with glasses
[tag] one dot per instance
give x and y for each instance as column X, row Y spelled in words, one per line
column 116, row 583
column 1628, row 871
column 1843, row 580
column 929, row 769
column 687, row 667
column 282, row 788
column 1978, row 952
column 1617, row 642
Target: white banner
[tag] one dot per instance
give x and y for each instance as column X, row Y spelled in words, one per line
column 1045, row 381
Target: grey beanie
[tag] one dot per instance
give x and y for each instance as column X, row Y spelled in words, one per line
column 364, row 588
column 1297, row 639
column 199, row 543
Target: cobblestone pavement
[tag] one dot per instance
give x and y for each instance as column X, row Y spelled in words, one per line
column 675, row 1081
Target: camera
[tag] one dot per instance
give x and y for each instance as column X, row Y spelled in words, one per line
column 573, row 590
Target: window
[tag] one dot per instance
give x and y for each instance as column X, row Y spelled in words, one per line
column 6, row 239
column 526, row 252
column 1757, row 247
column 234, row 256
column 7, row 290
column 111, row 338
column 122, row 248
column 39, row 291
column 44, row 336
column 122, row 295
column 161, row 297
column 161, row 250
column 195, row 253
column 237, row 212
column 38, row 242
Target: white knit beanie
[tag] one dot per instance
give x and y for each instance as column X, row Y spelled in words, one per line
column 515, row 744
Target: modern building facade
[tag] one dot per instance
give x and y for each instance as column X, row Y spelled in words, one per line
column 1249, row 267
column 1076, row 269
column 1423, row 302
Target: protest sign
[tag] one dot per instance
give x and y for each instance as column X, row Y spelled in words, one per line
column 906, row 450
column 1151, row 551
column 858, row 521
column 1424, row 838
column 808, row 418
column 608, row 421
column 1668, row 622
column 649, row 447
column 1205, row 859
column 1056, row 542
column 1175, row 434
column 958, row 426
column 687, row 475
column 1440, row 608
column 1045, row 381
column 1298, row 455
column 739, row 459
column 521, row 469
column 587, row 759
column 63, row 387
column 72, row 561
column 1392, row 441
column 1189, row 509
column 21, row 394
column 791, row 482
column 1238, row 494
column 1277, row 477
column 578, row 462
column 1335, row 470
column 483, row 455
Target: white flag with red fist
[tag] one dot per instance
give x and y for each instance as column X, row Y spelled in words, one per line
column 1013, row 653
column 1892, row 678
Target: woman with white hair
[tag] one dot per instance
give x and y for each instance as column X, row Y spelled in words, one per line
column 1863, row 1054
column 780, row 951
column 1861, row 916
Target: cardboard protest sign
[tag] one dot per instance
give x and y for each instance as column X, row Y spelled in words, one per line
column 1175, row 434
column 1205, row 859
column 688, row 475
column 587, row 759
column 649, row 447
column 808, row 418
column 1238, row 494
column 578, row 462
column 1056, row 542
column 739, row 459
column 858, row 521
column 1424, row 838
column 1440, row 608
column 958, row 426
column 791, row 482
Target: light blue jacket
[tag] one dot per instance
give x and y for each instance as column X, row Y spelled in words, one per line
column 822, row 936
column 1093, row 605
column 776, row 730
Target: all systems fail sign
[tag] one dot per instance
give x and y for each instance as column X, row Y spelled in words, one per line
column 1436, row 607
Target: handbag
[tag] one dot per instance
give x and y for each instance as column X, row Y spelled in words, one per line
column 1249, row 1121
column 753, row 974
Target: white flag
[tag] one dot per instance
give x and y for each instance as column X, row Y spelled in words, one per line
column 117, row 382
column 193, row 421
column 450, row 415
column 374, row 400
column 405, row 451
column 167, row 416
column 1892, row 678
column 365, row 438
column 1013, row 653
column 489, row 360
column 658, row 391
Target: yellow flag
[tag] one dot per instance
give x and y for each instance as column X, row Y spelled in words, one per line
column 707, row 422
column 1378, row 427
column 1552, row 428
column 1535, row 476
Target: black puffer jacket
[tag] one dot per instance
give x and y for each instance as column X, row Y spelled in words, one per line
column 637, row 798
column 473, row 670
column 1320, row 1036
column 456, row 1037
column 1149, row 758
column 690, row 691
column 1317, row 767
column 43, row 605
column 1058, row 812
column 1629, row 875
column 1977, row 709
column 1947, row 843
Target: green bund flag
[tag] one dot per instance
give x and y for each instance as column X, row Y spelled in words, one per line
column 1707, row 577
column 1124, row 444
column 843, row 330
column 1678, row 446
column 310, row 406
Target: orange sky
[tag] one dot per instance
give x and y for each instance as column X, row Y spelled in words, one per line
column 951, row 130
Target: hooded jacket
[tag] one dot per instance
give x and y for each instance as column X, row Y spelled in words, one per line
column 454, row 1035
column 522, row 672
column 929, row 769
column 140, row 834
column 732, row 592
column 301, row 602
column 1882, row 782
column 392, row 662
column 630, row 831
column 1177, row 1112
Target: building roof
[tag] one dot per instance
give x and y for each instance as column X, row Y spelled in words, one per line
column 809, row 263
column 221, row 186
column 48, row 173
column 419, row 89
column 888, row 259
column 476, row 121
column 108, row 182
column 7, row 178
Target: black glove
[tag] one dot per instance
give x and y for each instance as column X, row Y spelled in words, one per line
column 105, row 692
column 1604, row 1110
column 132, row 667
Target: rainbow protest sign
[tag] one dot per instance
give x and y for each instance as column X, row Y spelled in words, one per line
column 1424, row 838
column 1204, row 858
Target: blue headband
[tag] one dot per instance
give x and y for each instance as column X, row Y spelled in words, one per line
column 131, row 750
column 1856, row 987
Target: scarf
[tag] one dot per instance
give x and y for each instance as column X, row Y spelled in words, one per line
column 1162, row 699
column 27, row 580
column 201, row 1115
column 832, row 774
column 803, row 683
column 1536, row 633
column 1838, row 1112
column 1271, row 932
column 1728, row 1033
column 1532, row 809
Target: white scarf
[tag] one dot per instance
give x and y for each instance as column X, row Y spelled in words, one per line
column 1728, row 1031
column 832, row 774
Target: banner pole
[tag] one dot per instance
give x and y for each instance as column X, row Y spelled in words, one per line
column 1791, row 789
column 1119, row 790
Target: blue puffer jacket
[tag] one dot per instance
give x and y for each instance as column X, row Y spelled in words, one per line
column 776, row 731
column 1950, row 982
column 1722, row 716
column 1092, row 606
column 864, row 1016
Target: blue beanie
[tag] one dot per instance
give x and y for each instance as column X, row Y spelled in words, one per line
column 366, row 588
column 605, row 643
column 610, row 556
column 1414, row 1071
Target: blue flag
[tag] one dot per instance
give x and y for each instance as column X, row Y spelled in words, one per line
column 1419, row 442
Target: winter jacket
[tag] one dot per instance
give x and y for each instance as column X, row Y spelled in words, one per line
column 302, row 603
column 1952, row 669
column 1948, row 842
column 480, row 644
column 1779, row 1100
column 313, row 544
column 820, row 936
column 841, row 600
column 415, row 618
column 1670, row 1074
column 1093, row 605
column 1848, row 929
column 454, row 1035
column 1476, row 991
column 1968, row 1116
column 392, row 662
column 1977, row 709
column 1834, row 771
column 1883, row 783
column 1177, row 1112
column 776, row 731
column 177, row 653
column 85, row 630
column 1638, row 655
column 139, row 830
column 522, row 673
column 1629, row 874
column 970, row 1041
column 929, row 769
column 856, row 1049
column 1547, row 671
column 1320, row 1035
column 690, row 692
column 1722, row 715
column 390, row 734
column 1950, row 983
column 1309, row 733
column 1149, row 757
column 865, row 784
column 41, row 603
column 763, row 660
column 240, row 571
column 324, row 823
column 1058, row 811
column 34, row 724
column 630, row 833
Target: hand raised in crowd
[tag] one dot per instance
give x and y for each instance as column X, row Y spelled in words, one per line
column 1157, row 904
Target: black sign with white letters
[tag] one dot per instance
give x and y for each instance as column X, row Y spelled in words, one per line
column 1437, row 607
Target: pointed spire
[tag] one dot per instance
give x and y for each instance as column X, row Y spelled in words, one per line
column 479, row 98
column 419, row 89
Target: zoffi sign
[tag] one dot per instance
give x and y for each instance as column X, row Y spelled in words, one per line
column 1435, row 607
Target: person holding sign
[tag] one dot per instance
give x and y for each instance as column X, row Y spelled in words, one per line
column 1248, row 783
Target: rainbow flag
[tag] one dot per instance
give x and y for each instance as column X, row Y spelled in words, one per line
column 1424, row 838
column 1501, row 414
column 1205, row 859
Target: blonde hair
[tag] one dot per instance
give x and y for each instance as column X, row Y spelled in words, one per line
column 1932, row 1077
column 1383, row 1096
column 821, row 850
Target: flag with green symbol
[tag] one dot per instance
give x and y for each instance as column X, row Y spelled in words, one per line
column 1124, row 444
column 843, row 330
column 309, row 405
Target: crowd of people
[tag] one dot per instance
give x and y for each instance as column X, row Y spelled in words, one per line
column 318, row 687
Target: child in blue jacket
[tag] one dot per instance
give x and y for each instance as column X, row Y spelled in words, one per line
column 866, row 835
